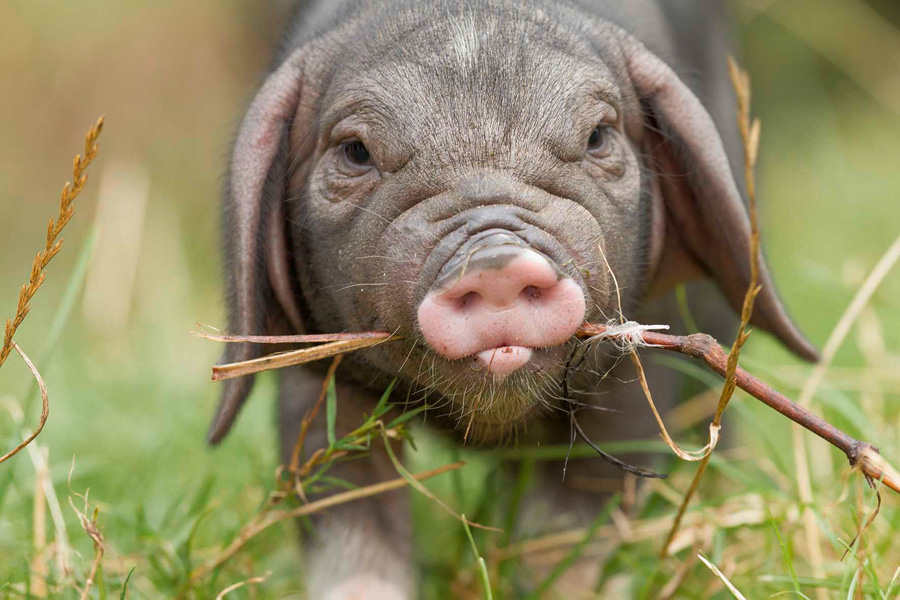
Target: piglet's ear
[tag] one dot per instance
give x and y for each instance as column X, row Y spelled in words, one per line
column 260, row 287
column 706, row 227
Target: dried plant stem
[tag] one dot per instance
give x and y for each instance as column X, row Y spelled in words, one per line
column 294, row 466
column 45, row 406
column 240, row 584
column 39, row 461
column 290, row 339
column 690, row 456
column 750, row 131
column 270, row 518
column 92, row 529
column 294, row 357
column 53, row 244
column 95, row 566
column 734, row 591
column 39, row 568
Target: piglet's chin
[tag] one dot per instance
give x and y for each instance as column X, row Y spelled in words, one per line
column 502, row 361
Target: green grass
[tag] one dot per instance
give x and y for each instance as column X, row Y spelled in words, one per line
column 130, row 406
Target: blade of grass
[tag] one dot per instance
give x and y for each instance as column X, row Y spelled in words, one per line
column 64, row 309
column 482, row 566
column 382, row 406
column 851, row 591
column 890, row 589
column 124, row 593
column 407, row 416
column 785, row 552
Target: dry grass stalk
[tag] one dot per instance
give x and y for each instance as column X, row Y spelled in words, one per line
column 864, row 527
column 45, row 406
column 38, row 275
column 750, row 131
column 294, row 465
column 690, row 456
column 39, row 570
column 645, row 387
column 240, row 584
column 734, row 591
column 270, row 518
column 294, row 357
column 699, row 527
column 53, row 243
column 288, row 339
column 672, row 586
column 91, row 527
column 39, row 460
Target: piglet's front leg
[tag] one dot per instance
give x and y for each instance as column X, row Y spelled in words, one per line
column 360, row 550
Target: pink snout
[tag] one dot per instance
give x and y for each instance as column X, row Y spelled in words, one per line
column 504, row 302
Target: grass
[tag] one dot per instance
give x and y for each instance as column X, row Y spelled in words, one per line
column 132, row 406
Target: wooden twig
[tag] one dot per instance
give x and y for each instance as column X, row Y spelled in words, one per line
column 862, row 455
column 270, row 518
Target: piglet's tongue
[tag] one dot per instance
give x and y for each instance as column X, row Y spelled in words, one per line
column 503, row 361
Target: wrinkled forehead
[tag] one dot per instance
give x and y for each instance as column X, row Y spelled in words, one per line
column 509, row 72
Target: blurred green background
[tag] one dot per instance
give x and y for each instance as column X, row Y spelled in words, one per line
column 129, row 385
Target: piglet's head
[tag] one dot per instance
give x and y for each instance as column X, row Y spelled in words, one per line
column 473, row 184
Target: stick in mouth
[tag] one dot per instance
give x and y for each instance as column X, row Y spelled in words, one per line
column 700, row 346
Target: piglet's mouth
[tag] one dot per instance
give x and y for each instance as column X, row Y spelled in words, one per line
column 502, row 361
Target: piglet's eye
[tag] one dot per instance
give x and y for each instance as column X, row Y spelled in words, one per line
column 599, row 140
column 357, row 153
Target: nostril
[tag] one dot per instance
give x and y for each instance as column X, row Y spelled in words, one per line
column 531, row 293
column 467, row 300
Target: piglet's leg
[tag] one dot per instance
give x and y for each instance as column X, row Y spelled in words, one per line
column 360, row 550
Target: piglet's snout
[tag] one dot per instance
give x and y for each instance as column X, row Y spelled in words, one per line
column 499, row 303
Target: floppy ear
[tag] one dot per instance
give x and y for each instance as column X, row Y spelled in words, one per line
column 706, row 228
column 260, row 285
